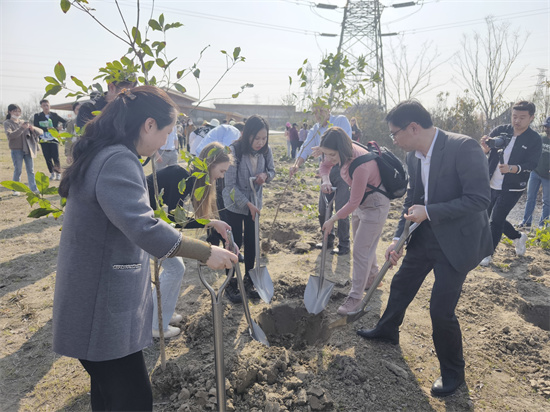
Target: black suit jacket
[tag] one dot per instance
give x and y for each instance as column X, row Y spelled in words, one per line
column 458, row 197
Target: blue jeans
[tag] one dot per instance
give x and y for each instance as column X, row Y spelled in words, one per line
column 171, row 277
column 17, row 156
column 535, row 182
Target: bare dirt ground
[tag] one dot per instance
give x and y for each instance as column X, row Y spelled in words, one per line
column 504, row 313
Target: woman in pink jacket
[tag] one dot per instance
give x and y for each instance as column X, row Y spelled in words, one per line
column 369, row 209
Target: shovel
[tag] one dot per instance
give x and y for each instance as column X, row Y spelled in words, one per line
column 255, row 331
column 318, row 290
column 259, row 274
column 363, row 309
column 217, row 316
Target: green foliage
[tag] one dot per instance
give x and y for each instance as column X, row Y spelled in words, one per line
column 312, row 211
column 45, row 208
column 343, row 81
column 542, row 237
column 145, row 55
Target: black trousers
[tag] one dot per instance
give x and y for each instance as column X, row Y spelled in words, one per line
column 502, row 202
column 120, row 384
column 51, row 155
column 423, row 255
column 236, row 221
column 342, row 197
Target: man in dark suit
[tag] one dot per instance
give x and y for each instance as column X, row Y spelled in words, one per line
column 448, row 195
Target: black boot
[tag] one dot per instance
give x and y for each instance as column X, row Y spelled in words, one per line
column 232, row 292
column 250, row 289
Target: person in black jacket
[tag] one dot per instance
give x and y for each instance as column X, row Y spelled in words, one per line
column 49, row 144
column 203, row 198
column 513, row 152
column 99, row 101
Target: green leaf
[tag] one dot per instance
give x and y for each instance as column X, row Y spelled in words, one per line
column 148, row 65
column 161, row 62
column 223, row 52
column 180, row 88
column 126, row 61
column 65, row 6
column 17, row 186
column 160, row 45
column 42, row 181
column 52, row 190
column 117, row 65
column 44, row 203
column 136, row 35
column 96, row 112
column 161, row 214
column 32, row 198
column 155, row 25
column 63, row 201
column 197, row 73
column 199, row 175
column 232, row 195
column 235, row 95
column 147, row 50
column 52, row 89
column 161, row 19
column 202, row 221
column 182, row 185
column 50, row 79
column 59, row 71
column 79, row 84
column 199, row 192
column 180, row 73
column 36, row 213
column 172, row 26
column 180, row 215
column 290, row 80
column 53, row 132
column 236, row 52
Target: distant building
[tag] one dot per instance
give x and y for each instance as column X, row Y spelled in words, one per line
column 276, row 115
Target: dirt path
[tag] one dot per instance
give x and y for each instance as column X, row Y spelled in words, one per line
column 504, row 313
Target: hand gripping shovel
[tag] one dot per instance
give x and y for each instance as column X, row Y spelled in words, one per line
column 363, row 310
column 217, row 316
column 255, row 331
column 318, row 290
column 259, row 274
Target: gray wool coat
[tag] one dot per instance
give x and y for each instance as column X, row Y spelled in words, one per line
column 103, row 303
column 237, row 177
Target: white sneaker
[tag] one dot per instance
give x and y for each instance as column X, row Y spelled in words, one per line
column 15, row 193
column 170, row 332
column 521, row 244
column 486, row 261
column 58, row 176
column 176, row 318
column 52, row 176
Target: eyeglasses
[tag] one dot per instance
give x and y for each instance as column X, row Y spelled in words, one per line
column 393, row 134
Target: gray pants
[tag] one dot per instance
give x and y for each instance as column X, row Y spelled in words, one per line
column 342, row 197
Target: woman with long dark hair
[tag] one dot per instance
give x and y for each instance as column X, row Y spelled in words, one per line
column 217, row 160
column 369, row 209
column 253, row 158
column 102, row 312
column 23, row 143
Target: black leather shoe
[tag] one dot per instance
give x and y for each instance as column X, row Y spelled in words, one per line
column 442, row 389
column 340, row 251
column 250, row 289
column 377, row 334
column 241, row 257
column 232, row 292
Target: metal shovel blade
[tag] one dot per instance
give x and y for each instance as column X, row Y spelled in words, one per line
column 255, row 331
column 317, row 294
column 259, row 274
column 263, row 283
column 318, row 289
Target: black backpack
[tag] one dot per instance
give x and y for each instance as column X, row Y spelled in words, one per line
column 392, row 171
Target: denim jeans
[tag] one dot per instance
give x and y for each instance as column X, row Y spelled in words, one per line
column 535, row 182
column 17, row 156
column 171, row 277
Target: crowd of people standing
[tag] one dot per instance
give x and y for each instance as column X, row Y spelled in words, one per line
column 460, row 193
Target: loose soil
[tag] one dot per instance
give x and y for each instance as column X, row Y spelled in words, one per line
column 504, row 313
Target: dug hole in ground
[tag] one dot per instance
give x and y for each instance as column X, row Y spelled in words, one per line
column 503, row 311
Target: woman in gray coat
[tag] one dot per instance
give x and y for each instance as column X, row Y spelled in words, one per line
column 253, row 158
column 102, row 312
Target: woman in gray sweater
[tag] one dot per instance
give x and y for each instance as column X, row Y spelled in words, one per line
column 103, row 306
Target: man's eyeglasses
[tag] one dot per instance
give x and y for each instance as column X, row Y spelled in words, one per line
column 393, row 134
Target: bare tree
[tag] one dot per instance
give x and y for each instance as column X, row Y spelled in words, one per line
column 485, row 63
column 408, row 77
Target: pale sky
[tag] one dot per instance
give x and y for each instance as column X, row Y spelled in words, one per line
column 275, row 37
